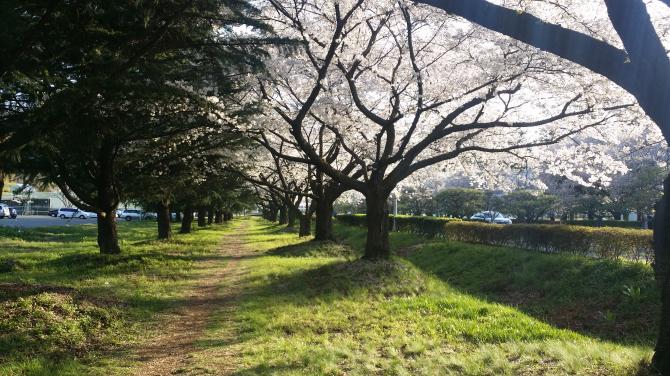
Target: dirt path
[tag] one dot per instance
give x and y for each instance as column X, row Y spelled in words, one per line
column 172, row 351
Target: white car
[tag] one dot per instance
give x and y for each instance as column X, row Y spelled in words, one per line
column 67, row 213
column 4, row 211
column 132, row 215
column 491, row 217
column 74, row 213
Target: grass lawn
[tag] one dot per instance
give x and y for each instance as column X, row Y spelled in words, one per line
column 66, row 309
column 447, row 308
column 306, row 308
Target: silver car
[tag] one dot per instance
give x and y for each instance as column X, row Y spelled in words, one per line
column 491, row 217
column 132, row 214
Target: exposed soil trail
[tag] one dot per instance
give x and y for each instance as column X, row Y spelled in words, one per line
column 172, row 350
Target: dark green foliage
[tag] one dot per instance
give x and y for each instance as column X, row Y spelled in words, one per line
column 527, row 206
column 459, row 202
column 93, row 82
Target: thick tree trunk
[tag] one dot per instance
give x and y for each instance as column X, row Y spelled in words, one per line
column 108, row 200
column 661, row 360
column 227, row 216
column 377, row 245
column 202, row 217
column 210, row 215
column 187, row 220
column 305, row 225
column 324, row 220
column 283, row 218
column 273, row 214
column 164, row 227
column 108, row 239
column 218, row 217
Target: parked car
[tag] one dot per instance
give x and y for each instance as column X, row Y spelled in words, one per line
column 86, row 215
column 73, row 213
column 151, row 215
column 491, row 217
column 13, row 213
column 4, row 211
column 53, row 213
column 132, row 214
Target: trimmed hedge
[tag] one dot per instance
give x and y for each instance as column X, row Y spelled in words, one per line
column 426, row 226
column 595, row 223
column 600, row 242
column 606, row 223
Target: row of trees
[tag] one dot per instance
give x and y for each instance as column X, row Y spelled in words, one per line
column 128, row 101
column 636, row 191
column 106, row 99
column 393, row 89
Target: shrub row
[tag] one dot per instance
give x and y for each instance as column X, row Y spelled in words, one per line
column 595, row 223
column 426, row 226
column 601, row 242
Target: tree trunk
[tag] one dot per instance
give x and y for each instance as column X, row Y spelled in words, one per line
column 377, row 245
column 187, row 220
column 273, row 216
column 210, row 215
column 305, row 225
column 227, row 216
column 218, row 217
column 283, row 219
column 108, row 238
column 202, row 216
column 108, row 200
column 177, row 216
column 324, row 220
column 661, row 360
column 164, row 227
column 290, row 214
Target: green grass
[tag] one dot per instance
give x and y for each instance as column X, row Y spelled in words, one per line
column 66, row 309
column 308, row 308
column 447, row 309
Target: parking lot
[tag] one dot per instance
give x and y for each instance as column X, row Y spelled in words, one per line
column 43, row 221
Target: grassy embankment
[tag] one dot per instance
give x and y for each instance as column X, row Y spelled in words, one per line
column 66, row 309
column 306, row 308
column 446, row 308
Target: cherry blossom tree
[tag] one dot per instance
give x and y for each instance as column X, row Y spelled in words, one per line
column 366, row 74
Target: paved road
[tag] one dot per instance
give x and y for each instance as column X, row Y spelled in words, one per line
column 43, row 221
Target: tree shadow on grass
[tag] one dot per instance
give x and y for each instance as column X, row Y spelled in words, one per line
column 617, row 301
column 51, row 234
column 383, row 293
column 316, row 249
